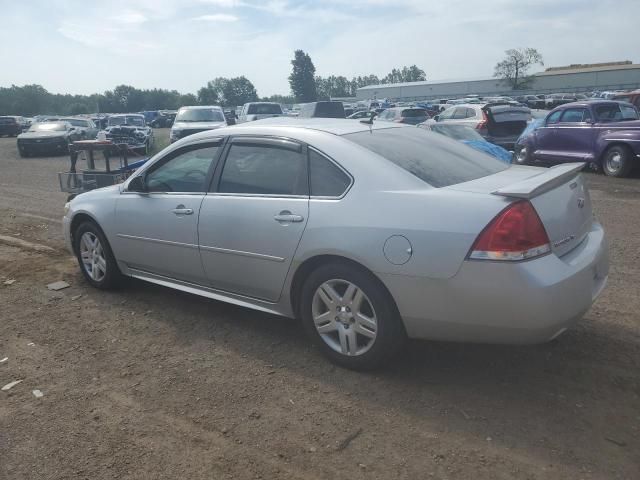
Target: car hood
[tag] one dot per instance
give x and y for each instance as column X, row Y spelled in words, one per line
column 42, row 135
column 197, row 125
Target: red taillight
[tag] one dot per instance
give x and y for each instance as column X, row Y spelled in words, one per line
column 482, row 125
column 517, row 233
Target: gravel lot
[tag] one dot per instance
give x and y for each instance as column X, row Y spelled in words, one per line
column 152, row 383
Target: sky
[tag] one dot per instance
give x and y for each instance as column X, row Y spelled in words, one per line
column 80, row 46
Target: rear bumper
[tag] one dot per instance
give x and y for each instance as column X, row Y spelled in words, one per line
column 491, row 302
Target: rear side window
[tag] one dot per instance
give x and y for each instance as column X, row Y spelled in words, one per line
column 264, row 170
column 326, row 178
column 433, row 158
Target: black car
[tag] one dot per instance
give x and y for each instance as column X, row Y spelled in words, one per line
column 532, row 101
column 47, row 138
column 11, row 126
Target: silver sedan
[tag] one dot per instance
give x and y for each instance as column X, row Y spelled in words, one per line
column 368, row 233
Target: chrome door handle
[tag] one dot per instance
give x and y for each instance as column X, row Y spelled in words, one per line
column 181, row 210
column 288, row 217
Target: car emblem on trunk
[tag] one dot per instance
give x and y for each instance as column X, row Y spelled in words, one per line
column 580, row 202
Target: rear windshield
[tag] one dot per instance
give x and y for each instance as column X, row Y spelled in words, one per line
column 414, row 112
column 7, row 120
column 329, row 110
column 433, row 158
column 264, row 109
column 457, row 132
column 200, row 115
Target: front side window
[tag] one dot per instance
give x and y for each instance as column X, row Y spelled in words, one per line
column 185, row 171
column 326, row 178
column 554, row 117
column 447, row 114
column 263, row 169
column 460, row 113
column 575, row 115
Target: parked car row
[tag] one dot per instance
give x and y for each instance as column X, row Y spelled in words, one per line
column 55, row 134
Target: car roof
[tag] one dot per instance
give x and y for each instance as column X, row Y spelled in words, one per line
column 587, row 104
column 335, row 126
column 200, row 107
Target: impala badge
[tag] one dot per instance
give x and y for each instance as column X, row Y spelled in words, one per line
column 580, row 202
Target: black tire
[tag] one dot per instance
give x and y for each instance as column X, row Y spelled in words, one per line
column 23, row 153
column 112, row 278
column 617, row 161
column 522, row 156
column 390, row 335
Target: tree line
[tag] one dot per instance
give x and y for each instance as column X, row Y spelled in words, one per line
column 29, row 100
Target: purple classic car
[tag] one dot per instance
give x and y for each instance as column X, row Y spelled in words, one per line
column 603, row 133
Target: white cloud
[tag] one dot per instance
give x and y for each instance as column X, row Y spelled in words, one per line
column 130, row 17
column 217, row 17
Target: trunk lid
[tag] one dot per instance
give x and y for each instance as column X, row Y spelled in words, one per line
column 558, row 194
column 504, row 120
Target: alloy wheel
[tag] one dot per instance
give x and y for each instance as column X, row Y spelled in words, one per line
column 92, row 256
column 344, row 317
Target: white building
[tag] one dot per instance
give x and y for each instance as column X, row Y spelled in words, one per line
column 579, row 78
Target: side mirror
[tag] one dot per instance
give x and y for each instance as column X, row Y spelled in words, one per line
column 436, row 118
column 137, row 184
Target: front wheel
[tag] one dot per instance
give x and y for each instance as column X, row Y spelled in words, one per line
column 351, row 316
column 617, row 161
column 522, row 157
column 96, row 260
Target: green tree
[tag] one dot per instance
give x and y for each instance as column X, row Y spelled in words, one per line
column 515, row 67
column 187, row 100
column 302, row 78
column 211, row 93
column 238, row 91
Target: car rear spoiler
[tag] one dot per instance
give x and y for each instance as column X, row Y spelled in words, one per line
column 543, row 182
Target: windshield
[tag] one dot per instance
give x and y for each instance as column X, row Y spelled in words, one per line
column 615, row 113
column 264, row 109
column 200, row 115
column 457, row 132
column 134, row 120
column 48, row 127
column 76, row 122
column 7, row 120
column 432, row 158
column 414, row 112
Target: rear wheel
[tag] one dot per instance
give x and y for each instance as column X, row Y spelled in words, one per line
column 617, row 161
column 96, row 260
column 350, row 316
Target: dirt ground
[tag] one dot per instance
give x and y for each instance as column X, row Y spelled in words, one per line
column 150, row 383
